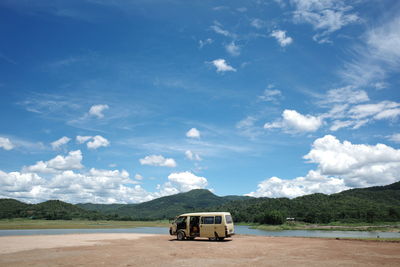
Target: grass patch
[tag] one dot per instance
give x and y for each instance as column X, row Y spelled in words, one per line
column 16, row 224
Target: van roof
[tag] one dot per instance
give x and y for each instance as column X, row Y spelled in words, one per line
column 205, row 213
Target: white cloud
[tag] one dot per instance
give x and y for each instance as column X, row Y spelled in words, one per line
column 384, row 42
column 347, row 109
column 193, row 133
column 312, row 183
column 222, row 66
column 394, row 138
column 96, row 186
column 340, row 166
column 158, row 160
column 59, row 163
column 233, row 49
column 192, row 156
column 98, row 141
column 347, row 94
column 217, row 28
column 182, row 182
column 97, row 110
column 376, row 57
column 83, row 139
column 257, row 23
column 60, row 142
column 138, row 176
column 271, row 95
column 248, row 128
column 294, row 122
column 326, row 16
column 205, row 42
column 6, row 144
column 281, row 37
column 378, row 111
column 359, row 165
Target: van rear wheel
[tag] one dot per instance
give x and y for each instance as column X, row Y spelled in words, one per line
column 180, row 235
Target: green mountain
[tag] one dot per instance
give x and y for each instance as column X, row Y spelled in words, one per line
column 11, row 208
column 49, row 210
column 379, row 203
column 165, row 207
column 356, row 205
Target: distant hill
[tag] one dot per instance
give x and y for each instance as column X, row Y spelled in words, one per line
column 166, row 207
column 50, row 210
column 379, row 203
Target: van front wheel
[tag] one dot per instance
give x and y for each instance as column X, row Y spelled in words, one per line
column 180, row 236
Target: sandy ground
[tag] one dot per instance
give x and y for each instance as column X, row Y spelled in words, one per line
column 163, row 250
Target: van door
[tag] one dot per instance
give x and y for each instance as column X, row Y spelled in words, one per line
column 207, row 226
column 219, row 227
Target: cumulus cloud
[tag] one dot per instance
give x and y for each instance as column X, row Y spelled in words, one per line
column 60, row 142
column 312, row 183
column 98, row 141
column 96, row 186
column 6, row 144
column 182, row 182
column 59, row 178
column 97, row 110
column 158, row 160
column 294, row 122
column 281, row 37
column 192, row 156
column 233, row 49
column 340, row 166
column 325, row 16
column 359, row 165
column 193, row 133
column 222, row 66
column 59, row 163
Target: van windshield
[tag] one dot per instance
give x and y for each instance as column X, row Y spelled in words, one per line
column 228, row 218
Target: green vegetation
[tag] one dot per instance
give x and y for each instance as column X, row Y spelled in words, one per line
column 165, row 207
column 13, row 224
column 371, row 206
column 50, row 210
column 367, row 205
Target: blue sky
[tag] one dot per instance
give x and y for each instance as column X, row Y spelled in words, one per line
column 126, row 101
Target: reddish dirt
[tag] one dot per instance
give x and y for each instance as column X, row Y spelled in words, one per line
column 162, row 250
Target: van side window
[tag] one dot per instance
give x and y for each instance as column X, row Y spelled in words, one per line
column 218, row 219
column 207, row 220
column 228, row 218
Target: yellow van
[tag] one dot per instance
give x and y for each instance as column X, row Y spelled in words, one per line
column 213, row 225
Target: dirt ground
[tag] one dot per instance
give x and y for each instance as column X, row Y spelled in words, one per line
column 164, row 250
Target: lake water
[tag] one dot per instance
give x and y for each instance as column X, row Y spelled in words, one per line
column 239, row 229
